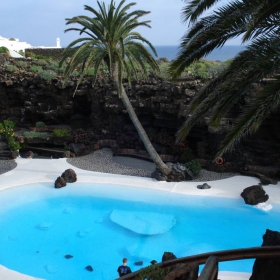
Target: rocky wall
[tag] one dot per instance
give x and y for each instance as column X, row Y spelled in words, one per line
column 51, row 52
column 160, row 105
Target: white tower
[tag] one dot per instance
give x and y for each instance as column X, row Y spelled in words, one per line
column 58, row 43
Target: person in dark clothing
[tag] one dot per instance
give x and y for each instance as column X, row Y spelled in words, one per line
column 124, row 269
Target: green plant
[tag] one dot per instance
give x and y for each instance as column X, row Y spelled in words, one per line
column 4, row 50
column 21, row 52
column 30, row 54
column 7, row 128
column 40, row 124
column 36, row 68
column 11, row 68
column 90, row 71
column 193, row 166
column 36, row 134
column 75, row 73
column 47, row 75
column 21, row 63
column 152, row 272
column 41, row 62
column 13, row 144
column 61, row 132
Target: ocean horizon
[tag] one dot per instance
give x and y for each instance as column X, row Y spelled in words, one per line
column 219, row 54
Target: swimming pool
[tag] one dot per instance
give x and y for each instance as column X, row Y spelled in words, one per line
column 57, row 233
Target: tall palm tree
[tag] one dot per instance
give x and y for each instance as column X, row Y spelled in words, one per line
column 110, row 37
column 258, row 22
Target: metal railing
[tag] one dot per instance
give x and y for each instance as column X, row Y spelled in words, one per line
column 226, row 255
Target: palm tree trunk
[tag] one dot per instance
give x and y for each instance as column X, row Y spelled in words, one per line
column 163, row 168
column 143, row 135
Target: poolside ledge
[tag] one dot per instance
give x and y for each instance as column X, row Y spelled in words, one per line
column 29, row 171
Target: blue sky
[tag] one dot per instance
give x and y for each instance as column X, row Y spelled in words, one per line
column 40, row 22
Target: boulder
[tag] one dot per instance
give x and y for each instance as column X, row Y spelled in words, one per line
column 59, row 183
column 78, row 149
column 68, row 154
column 204, row 186
column 158, row 175
column 69, row 175
column 29, row 154
column 268, row 268
column 89, row 268
column 167, row 256
column 254, row 195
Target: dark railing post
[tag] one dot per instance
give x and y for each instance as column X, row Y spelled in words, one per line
column 210, row 270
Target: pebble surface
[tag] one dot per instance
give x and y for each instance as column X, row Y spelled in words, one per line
column 103, row 161
column 7, row 165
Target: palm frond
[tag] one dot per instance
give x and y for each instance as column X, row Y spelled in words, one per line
column 267, row 101
column 195, row 8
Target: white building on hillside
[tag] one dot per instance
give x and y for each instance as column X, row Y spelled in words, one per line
column 13, row 44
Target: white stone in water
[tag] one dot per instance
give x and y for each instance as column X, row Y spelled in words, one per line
column 147, row 223
column 52, row 269
column 44, row 226
column 264, row 206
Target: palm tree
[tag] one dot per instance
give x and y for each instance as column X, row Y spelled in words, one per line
column 110, row 38
column 258, row 22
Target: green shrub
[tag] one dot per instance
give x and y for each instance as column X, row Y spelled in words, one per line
column 193, row 166
column 36, row 134
column 152, row 272
column 163, row 67
column 11, row 68
column 4, row 50
column 90, row 71
column 40, row 124
column 42, row 57
column 47, row 75
column 29, row 54
column 36, row 69
column 41, row 62
column 7, row 128
column 75, row 74
column 61, row 132
column 52, row 68
column 13, row 144
column 21, row 64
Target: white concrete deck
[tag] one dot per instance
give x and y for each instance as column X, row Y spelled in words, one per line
column 31, row 171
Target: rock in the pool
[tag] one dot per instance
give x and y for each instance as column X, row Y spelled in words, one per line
column 147, row 223
column 89, row 268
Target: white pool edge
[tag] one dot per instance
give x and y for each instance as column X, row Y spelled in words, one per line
column 30, row 171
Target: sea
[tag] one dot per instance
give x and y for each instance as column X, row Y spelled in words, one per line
column 220, row 54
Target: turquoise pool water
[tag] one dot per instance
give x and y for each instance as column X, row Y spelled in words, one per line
column 99, row 224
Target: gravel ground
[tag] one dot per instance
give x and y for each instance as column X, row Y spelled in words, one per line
column 103, row 161
column 7, row 165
